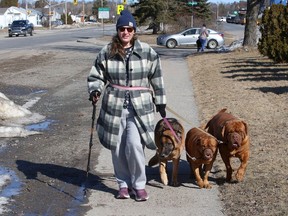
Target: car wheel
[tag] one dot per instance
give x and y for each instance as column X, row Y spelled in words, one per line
column 10, row 35
column 171, row 43
column 212, row 44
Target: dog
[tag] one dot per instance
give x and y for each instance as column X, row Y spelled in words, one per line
column 169, row 148
column 233, row 132
column 201, row 149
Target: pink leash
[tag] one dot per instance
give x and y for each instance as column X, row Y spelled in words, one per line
column 145, row 88
column 129, row 88
column 171, row 129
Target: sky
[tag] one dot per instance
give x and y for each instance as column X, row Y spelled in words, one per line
column 14, row 121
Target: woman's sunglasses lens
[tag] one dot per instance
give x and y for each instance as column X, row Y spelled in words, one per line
column 122, row 29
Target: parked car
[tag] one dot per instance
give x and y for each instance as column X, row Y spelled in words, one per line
column 230, row 18
column 221, row 19
column 20, row 27
column 189, row 37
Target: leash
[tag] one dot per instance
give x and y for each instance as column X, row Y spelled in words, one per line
column 176, row 114
column 171, row 129
column 129, row 88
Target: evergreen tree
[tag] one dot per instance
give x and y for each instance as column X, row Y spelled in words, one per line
column 98, row 4
column 154, row 12
column 8, row 3
column 202, row 10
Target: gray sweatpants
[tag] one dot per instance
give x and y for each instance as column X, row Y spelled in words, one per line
column 128, row 158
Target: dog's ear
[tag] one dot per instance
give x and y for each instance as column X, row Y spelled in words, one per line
column 179, row 133
column 246, row 127
column 198, row 141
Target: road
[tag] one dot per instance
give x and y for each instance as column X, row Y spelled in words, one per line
column 50, row 168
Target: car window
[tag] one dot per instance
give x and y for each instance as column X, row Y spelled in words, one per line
column 190, row 32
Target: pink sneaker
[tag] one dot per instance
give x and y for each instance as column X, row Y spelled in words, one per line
column 123, row 193
column 140, row 195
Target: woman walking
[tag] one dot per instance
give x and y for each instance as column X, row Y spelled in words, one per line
column 203, row 37
column 128, row 74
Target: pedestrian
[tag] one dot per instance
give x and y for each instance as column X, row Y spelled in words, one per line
column 203, row 37
column 128, row 75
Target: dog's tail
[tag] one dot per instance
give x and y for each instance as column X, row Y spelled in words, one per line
column 153, row 161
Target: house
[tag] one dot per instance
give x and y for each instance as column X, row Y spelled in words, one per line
column 8, row 15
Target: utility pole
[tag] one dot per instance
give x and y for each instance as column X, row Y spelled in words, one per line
column 66, row 12
column 83, row 11
column 192, row 18
column 49, row 15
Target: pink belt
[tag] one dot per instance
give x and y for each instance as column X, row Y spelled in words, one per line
column 129, row 88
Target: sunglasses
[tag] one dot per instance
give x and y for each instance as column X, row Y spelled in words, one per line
column 122, row 29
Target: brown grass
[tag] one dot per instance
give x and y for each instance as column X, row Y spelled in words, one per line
column 255, row 89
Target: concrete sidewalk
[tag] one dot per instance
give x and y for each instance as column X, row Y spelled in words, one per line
column 187, row 199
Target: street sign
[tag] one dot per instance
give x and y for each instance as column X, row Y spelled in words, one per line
column 103, row 13
column 192, row 3
column 120, row 8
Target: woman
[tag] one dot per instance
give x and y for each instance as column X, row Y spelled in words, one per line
column 123, row 73
column 203, row 37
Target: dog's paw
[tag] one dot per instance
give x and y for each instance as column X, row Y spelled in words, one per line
column 164, row 179
column 207, row 186
column 239, row 175
column 175, row 184
column 200, row 184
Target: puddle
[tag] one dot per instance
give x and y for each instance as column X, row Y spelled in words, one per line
column 9, row 189
column 39, row 126
column 20, row 90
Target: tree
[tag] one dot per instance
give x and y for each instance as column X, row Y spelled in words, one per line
column 40, row 4
column 8, row 3
column 97, row 4
column 202, row 10
column 250, row 33
column 153, row 12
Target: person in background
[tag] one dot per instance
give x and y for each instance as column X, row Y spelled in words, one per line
column 128, row 75
column 203, row 37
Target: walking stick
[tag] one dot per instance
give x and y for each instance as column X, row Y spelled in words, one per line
column 91, row 139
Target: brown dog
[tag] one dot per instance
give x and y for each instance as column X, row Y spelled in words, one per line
column 234, row 134
column 169, row 148
column 201, row 149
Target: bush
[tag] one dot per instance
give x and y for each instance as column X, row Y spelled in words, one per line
column 274, row 28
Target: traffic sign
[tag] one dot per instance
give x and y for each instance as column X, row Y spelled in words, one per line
column 103, row 13
column 192, row 3
column 120, row 8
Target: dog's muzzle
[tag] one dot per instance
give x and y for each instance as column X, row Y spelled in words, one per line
column 207, row 154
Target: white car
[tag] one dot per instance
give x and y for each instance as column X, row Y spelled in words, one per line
column 189, row 37
column 221, row 19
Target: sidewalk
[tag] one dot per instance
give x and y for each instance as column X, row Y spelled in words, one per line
column 185, row 200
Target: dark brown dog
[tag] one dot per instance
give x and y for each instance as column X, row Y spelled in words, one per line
column 234, row 134
column 168, row 148
column 201, row 149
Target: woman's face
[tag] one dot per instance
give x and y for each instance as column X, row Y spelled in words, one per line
column 126, row 34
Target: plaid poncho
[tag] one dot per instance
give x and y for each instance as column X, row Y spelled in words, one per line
column 145, row 70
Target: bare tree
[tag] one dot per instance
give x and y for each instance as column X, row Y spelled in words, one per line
column 250, row 34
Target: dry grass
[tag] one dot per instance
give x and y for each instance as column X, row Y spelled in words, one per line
column 255, row 89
